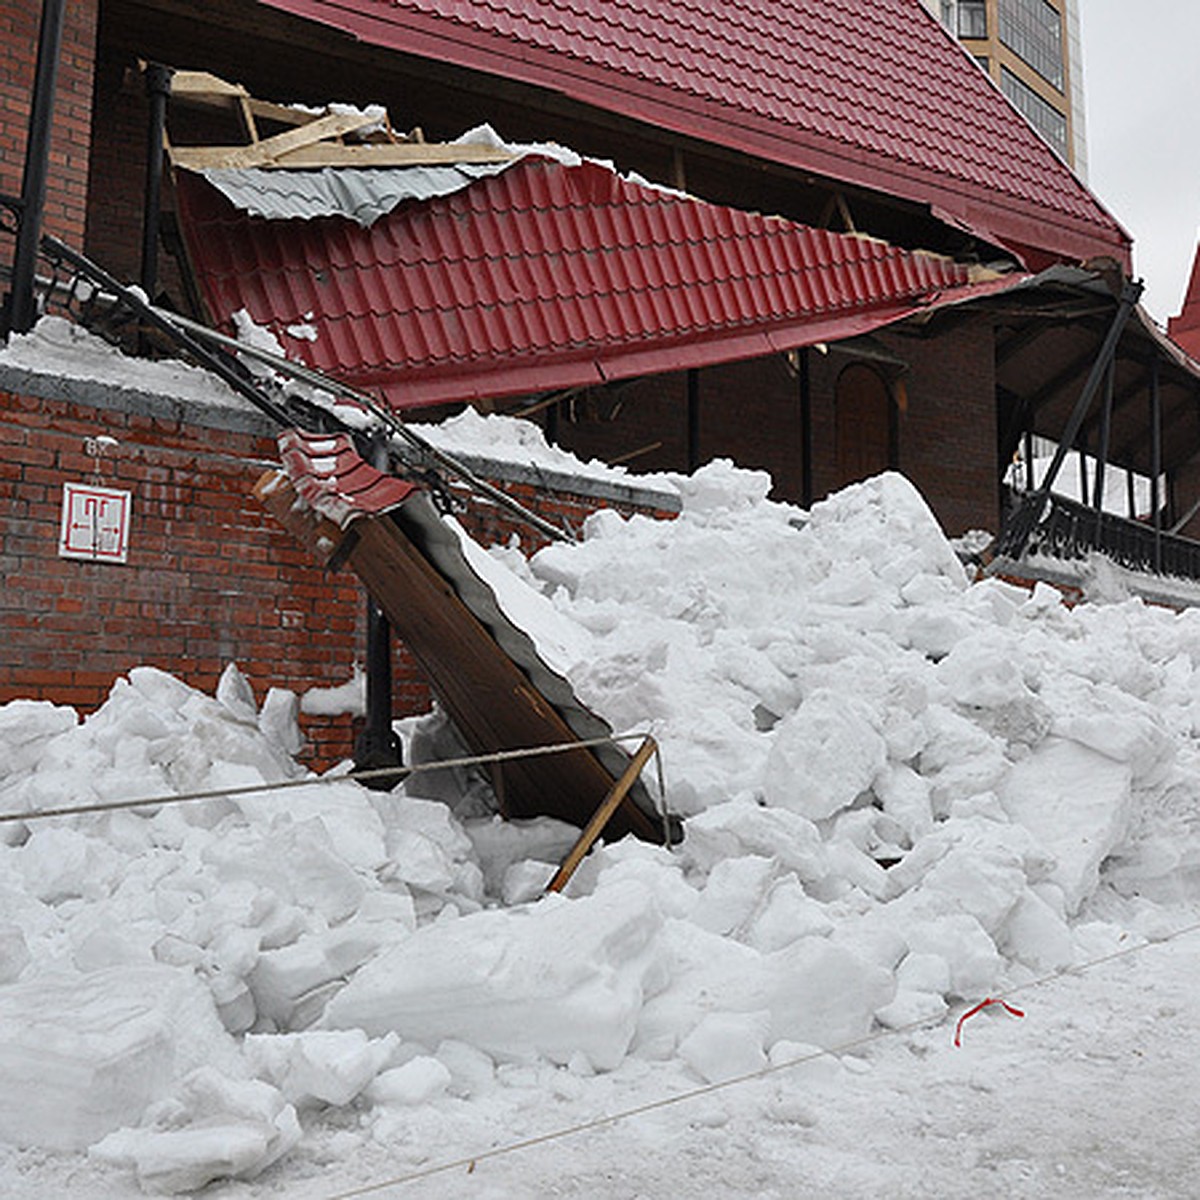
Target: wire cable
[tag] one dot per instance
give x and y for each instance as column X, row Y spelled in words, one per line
column 397, row 773
column 469, row 1162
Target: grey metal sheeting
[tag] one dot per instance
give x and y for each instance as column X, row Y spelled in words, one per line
column 361, row 195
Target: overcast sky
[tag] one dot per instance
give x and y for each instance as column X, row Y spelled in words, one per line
column 1143, row 122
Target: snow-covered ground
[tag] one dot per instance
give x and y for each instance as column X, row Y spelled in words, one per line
column 904, row 793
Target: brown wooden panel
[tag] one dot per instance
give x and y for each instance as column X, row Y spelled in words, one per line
column 490, row 700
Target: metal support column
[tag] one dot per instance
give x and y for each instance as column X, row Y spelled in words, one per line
column 377, row 746
column 1105, row 438
column 806, row 435
column 693, row 419
column 1156, row 462
column 1081, row 448
column 158, row 92
column 1015, row 536
column 21, row 308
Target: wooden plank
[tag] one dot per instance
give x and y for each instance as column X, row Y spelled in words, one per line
column 187, row 85
column 490, row 700
column 264, row 153
column 602, row 815
column 391, row 154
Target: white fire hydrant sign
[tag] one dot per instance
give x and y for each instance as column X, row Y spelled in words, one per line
column 95, row 523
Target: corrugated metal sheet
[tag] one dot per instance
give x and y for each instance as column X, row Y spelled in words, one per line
column 873, row 92
column 547, row 276
column 362, row 196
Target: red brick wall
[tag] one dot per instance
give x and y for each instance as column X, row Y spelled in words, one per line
column 947, row 426
column 66, row 200
column 211, row 579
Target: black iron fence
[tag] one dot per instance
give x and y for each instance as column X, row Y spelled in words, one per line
column 1070, row 530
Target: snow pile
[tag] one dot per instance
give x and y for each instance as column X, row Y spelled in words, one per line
column 903, row 791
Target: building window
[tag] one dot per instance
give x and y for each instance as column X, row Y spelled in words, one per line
column 972, row 19
column 1033, row 29
column 948, row 13
column 1044, row 117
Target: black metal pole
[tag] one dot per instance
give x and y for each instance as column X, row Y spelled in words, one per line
column 22, row 307
column 693, row 419
column 378, row 745
column 1081, row 448
column 158, row 92
column 806, row 438
column 1156, row 462
column 1105, row 436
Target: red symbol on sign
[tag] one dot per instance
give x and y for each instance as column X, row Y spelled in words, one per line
column 95, row 523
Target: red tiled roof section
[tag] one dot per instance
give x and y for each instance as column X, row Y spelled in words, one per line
column 546, row 276
column 870, row 92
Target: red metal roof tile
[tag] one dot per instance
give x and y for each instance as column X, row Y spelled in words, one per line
column 872, row 92
column 546, row 276
column 330, row 476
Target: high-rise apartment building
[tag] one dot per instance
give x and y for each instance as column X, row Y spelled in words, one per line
column 1031, row 48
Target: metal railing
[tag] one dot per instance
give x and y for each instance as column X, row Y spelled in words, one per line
column 1070, row 530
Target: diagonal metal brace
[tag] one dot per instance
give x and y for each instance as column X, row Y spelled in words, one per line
column 1020, row 526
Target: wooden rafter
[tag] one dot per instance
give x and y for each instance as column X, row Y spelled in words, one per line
column 313, row 139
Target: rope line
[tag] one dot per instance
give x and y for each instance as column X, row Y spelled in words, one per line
column 469, row 1162
column 397, row 773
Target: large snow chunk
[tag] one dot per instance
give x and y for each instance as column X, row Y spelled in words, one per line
column 81, row 1055
column 25, row 727
column 418, row 1080
column 741, row 826
column 871, row 519
column 292, row 984
column 825, row 754
column 1076, row 802
column 823, row 993
column 558, row 978
column 726, row 1045
column 215, row 1128
column 319, row 1067
column 969, row 954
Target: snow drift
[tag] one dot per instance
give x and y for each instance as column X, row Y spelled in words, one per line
column 902, row 790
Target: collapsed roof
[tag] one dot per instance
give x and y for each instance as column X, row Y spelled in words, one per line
column 485, row 669
column 548, row 275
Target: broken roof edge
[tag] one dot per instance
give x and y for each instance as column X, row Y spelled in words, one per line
column 474, row 382
column 332, row 478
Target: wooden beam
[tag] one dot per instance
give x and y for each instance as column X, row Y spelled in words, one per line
column 602, row 815
column 400, row 154
column 397, row 154
column 202, row 85
column 265, row 152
